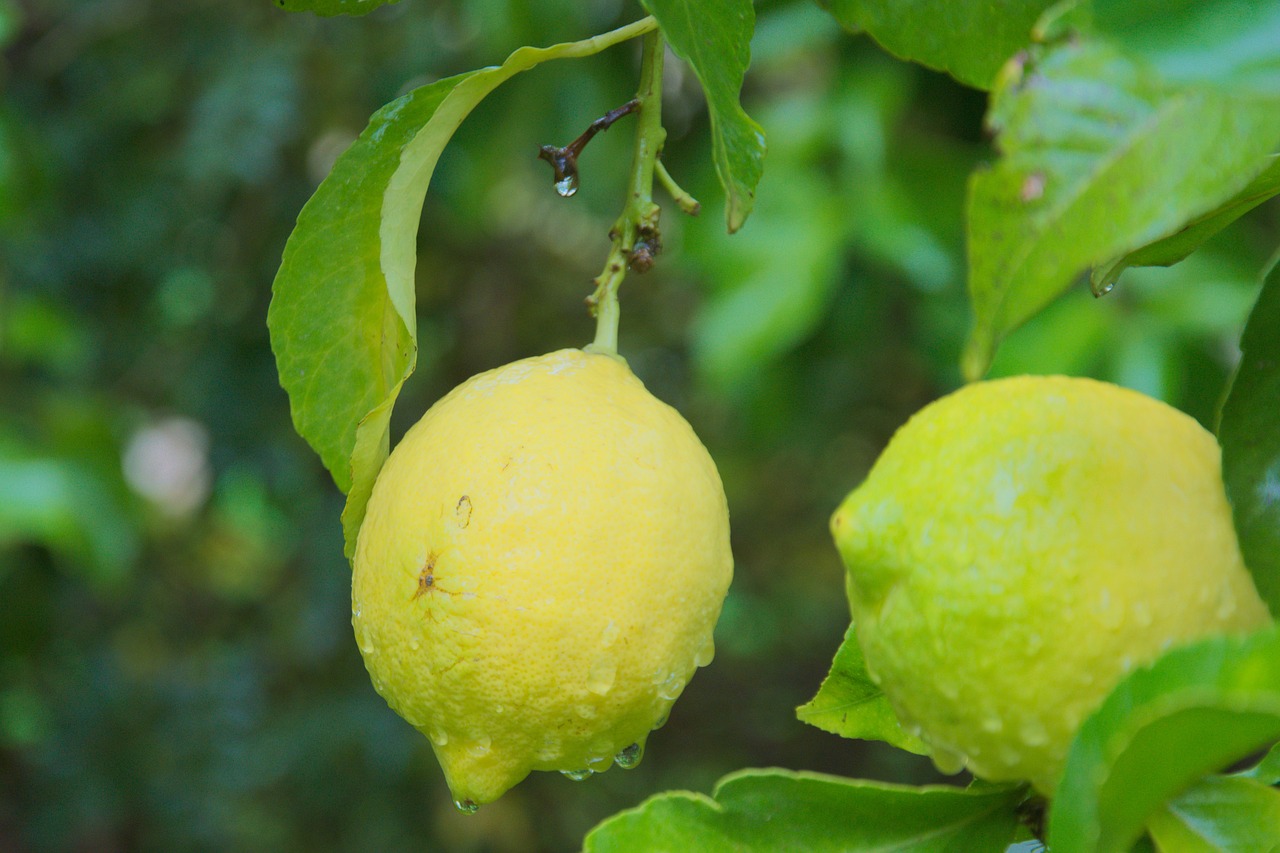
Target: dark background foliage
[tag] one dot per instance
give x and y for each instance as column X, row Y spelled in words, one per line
column 176, row 663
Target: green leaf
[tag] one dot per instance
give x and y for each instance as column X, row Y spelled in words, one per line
column 1194, row 711
column 969, row 39
column 1266, row 771
column 1219, row 814
column 714, row 37
column 1250, row 442
column 1177, row 246
column 1099, row 157
column 774, row 810
column 1234, row 45
column 328, row 8
column 342, row 317
column 851, row 705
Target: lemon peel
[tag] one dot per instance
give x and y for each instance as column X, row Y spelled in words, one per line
column 1019, row 546
column 540, row 570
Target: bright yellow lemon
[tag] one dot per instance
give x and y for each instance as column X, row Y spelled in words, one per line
column 1023, row 543
column 541, row 567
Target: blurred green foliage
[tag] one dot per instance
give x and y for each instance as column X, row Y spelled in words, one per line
column 176, row 663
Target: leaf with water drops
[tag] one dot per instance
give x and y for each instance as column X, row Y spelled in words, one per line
column 1099, row 156
column 1250, row 436
column 1195, row 711
column 329, row 8
column 850, row 704
column 969, row 39
column 714, row 37
column 343, row 318
column 1194, row 234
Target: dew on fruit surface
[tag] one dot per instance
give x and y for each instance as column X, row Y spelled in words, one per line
column 706, row 653
column 567, row 186
column 363, row 640
column 662, row 719
column 629, row 757
column 577, row 775
column 599, row 763
column 609, row 634
column 669, row 688
column 480, row 746
column 439, row 737
column 1033, row 733
column 551, row 749
column 992, row 724
column 466, row 806
column 600, row 678
column 414, row 645
column 949, row 689
column 1226, row 605
column 947, row 762
column 585, row 711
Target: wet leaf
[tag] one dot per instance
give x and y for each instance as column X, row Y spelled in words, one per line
column 1099, row 157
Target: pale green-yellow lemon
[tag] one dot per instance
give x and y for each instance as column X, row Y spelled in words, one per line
column 541, row 567
column 1023, row 543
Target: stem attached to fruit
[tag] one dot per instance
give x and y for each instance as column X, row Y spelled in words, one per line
column 635, row 234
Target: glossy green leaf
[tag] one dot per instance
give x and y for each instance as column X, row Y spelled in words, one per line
column 969, row 39
column 1249, row 431
column 1196, row 710
column 850, row 704
column 329, row 8
column 777, row 810
column 714, row 37
column 1098, row 157
column 1218, row 814
column 342, row 317
column 1234, row 45
column 1193, row 235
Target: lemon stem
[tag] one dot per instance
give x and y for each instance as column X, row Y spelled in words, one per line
column 635, row 233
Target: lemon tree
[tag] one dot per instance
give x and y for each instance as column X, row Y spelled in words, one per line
column 1054, row 583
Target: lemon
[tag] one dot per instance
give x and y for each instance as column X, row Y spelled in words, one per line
column 540, row 569
column 1019, row 546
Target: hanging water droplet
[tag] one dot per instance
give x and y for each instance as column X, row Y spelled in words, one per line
column 662, row 720
column 1101, row 287
column 610, row 634
column 629, row 757
column 466, row 806
column 600, row 678
column 946, row 761
column 599, row 763
column 577, row 775
column 363, row 640
column 706, row 653
column 567, row 186
column 439, row 737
